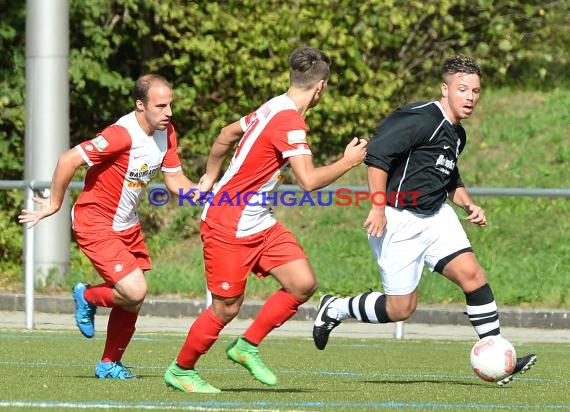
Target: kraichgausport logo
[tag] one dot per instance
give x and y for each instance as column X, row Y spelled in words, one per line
column 338, row 197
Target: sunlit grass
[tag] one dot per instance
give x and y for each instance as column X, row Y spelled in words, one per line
column 55, row 370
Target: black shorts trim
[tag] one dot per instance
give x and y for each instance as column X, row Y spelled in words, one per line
column 444, row 261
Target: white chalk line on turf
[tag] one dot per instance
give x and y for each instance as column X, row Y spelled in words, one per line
column 115, row 405
column 241, row 406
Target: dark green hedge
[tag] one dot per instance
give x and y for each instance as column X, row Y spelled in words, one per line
column 225, row 57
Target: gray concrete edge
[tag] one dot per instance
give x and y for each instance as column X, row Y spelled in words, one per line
column 183, row 307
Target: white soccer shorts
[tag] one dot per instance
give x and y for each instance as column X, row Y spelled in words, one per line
column 411, row 240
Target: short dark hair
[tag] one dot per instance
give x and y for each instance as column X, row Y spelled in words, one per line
column 459, row 64
column 143, row 84
column 308, row 65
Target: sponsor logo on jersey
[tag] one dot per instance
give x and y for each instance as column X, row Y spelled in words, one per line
column 100, row 143
column 296, row 136
column 143, row 171
column 445, row 165
column 135, row 185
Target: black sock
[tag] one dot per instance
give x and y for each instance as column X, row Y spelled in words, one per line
column 482, row 311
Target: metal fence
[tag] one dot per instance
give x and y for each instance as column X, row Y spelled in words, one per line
column 33, row 187
column 475, row 191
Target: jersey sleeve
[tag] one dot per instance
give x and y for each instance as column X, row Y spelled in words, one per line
column 396, row 135
column 455, row 177
column 108, row 144
column 245, row 121
column 171, row 161
column 454, row 180
column 289, row 134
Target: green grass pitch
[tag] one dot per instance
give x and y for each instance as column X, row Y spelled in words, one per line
column 44, row 370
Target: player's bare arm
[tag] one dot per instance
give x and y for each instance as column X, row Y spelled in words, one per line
column 221, row 149
column 461, row 198
column 376, row 220
column 311, row 178
column 67, row 165
column 177, row 181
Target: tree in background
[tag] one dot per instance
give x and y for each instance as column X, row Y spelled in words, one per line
column 226, row 57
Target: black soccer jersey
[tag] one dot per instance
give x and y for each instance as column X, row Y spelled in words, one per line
column 418, row 146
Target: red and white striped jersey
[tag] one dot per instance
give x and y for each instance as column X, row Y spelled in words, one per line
column 122, row 160
column 272, row 134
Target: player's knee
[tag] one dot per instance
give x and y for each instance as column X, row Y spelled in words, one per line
column 132, row 289
column 135, row 297
column 231, row 312
column 311, row 289
column 306, row 289
column 480, row 276
column 473, row 279
column 226, row 310
column 401, row 309
column 401, row 314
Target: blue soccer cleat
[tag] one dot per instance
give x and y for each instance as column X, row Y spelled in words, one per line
column 84, row 312
column 113, row 370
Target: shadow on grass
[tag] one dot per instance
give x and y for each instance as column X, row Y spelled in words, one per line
column 415, row 382
column 268, row 389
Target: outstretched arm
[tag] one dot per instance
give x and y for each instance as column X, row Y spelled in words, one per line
column 178, row 183
column 311, row 178
column 221, row 149
column 67, row 165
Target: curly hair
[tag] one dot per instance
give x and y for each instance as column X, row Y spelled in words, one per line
column 459, row 64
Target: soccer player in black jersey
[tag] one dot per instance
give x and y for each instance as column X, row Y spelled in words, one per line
column 412, row 160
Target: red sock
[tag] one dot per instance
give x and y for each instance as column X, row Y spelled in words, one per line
column 275, row 311
column 100, row 295
column 120, row 330
column 202, row 335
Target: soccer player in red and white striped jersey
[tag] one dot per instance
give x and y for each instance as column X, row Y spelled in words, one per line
column 122, row 159
column 243, row 236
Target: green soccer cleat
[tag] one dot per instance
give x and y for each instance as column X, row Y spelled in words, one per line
column 187, row 380
column 247, row 355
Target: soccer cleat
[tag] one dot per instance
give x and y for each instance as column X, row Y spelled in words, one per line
column 324, row 324
column 84, row 312
column 247, row 355
column 187, row 380
column 113, row 370
column 523, row 364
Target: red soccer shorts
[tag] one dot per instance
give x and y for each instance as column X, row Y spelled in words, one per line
column 115, row 254
column 229, row 260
